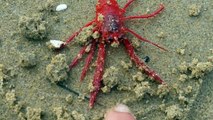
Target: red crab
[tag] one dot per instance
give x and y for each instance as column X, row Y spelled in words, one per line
column 109, row 24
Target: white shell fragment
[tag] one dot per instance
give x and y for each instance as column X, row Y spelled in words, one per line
column 56, row 43
column 61, row 7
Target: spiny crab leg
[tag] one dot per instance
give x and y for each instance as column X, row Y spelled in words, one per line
column 143, row 39
column 98, row 74
column 153, row 14
column 88, row 61
column 127, row 4
column 78, row 57
column 76, row 33
column 141, row 65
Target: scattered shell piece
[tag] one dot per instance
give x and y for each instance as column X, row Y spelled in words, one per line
column 61, row 7
column 56, row 43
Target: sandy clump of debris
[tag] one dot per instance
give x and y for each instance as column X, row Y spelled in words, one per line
column 33, row 28
column 57, row 69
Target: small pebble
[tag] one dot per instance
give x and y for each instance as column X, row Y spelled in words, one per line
column 61, row 7
column 146, row 59
column 56, row 43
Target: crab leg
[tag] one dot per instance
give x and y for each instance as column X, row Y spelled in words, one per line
column 143, row 39
column 127, row 4
column 78, row 57
column 151, row 73
column 76, row 33
column 98, row 74
column 153, row 14
column 88, row 61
